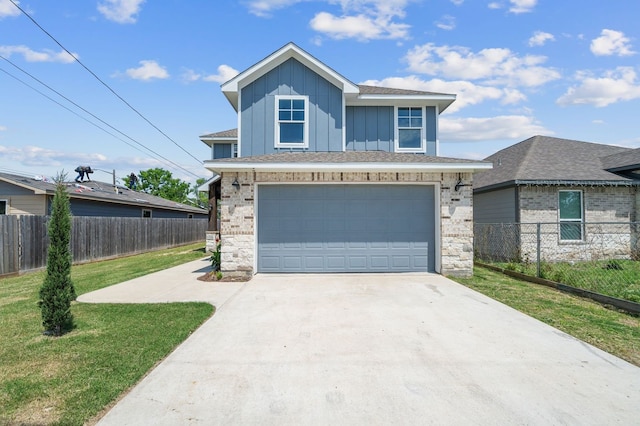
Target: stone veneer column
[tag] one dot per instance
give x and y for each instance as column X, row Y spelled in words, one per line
column 456, row 225
column 237, row 225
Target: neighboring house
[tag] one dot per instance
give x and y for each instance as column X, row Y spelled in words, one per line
column 331, row 176
column 567, row 185
column 24, row 195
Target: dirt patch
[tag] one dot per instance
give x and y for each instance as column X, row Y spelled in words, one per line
column 211, row 276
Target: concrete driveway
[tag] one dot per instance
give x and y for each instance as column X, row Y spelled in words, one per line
column 378, row 349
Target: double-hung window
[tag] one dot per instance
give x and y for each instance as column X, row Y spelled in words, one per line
column 410, row 133
column 571, row 218
column 292, row 122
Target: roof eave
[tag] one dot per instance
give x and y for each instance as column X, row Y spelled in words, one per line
column 220, row 167
column 442, row 101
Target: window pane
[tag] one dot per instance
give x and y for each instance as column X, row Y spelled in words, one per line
column 409, row 138
column 403, row 122
column 570, row 205
column 571, row 231
column 416, row 112
column 284, row 104
column 284, row 115
column 416, row 122
column 298, row 104
column 298, row 115
column 292, row 133
column 403, row 112
column 3, row 207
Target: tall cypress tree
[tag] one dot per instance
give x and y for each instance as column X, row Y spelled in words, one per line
column 57, row 290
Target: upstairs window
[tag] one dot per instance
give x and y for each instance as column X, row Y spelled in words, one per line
column 292, row 122
column 410, row 134
column 570, row 212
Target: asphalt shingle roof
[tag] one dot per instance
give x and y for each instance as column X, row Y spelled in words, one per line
column 344, row 157
column 376, row 90
column 231, row 133
column 101, row 191
column 628, row 160
column 548, row 159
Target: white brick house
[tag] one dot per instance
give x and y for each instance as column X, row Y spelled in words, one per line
column 323, row 175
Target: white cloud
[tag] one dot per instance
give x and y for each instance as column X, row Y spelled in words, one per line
column 494, row 65
column 467, row 93
column 491, row 128
column 360, row 27
column 522, row 6
column 359, row 19
column 121, row 11
column 494, row 5
column 457, row 2
column 614, row 86
column 225, row 73
column 598, row 122
column 36, row 156
column 3, row 128
column 539, row 38
column 148, row 70
column 264, row 8
column 30, row 55
column 610, row 43
column 447, row 22
column 8, row 9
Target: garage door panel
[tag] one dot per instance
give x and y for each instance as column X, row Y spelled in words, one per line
column 345, row 228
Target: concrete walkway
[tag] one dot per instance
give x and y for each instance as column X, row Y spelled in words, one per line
column 371, row 349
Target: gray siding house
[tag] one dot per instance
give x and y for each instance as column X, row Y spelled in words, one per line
column 324, row 175
column 24, row 195
column 585, row 194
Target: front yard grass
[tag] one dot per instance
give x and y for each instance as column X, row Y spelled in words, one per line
column 70, row 379
column 612, row 331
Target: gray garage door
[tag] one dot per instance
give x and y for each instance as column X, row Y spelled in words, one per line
column 346, row 228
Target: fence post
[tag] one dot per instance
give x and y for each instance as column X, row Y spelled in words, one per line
column 538, row 239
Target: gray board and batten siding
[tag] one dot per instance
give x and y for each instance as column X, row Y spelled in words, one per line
column 346, row 228
column 499, row 206
column 372, row 128
column 257, row 104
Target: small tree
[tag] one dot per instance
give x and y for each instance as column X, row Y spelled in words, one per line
column 57, row 290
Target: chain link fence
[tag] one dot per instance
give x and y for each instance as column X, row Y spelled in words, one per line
column 599, row 257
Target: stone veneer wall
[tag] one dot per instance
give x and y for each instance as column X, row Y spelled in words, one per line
column 609, row 205
column 237, row 214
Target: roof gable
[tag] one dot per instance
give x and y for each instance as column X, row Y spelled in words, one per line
column 232, row 87
column 548, row 159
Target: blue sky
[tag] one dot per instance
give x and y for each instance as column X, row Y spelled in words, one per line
column 566, row 68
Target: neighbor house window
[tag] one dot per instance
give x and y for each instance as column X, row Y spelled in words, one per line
column 292, row 124
column 4, row 207
column 146, row 213
column 571, row 218
column 410, row 134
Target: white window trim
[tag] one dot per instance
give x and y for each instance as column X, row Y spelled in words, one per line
column 150, row 213
column 580, row 221
column 6, row 205
column 423, row 132
column 277, row 142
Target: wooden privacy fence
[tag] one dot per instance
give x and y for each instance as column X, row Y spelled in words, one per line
column 24, row 240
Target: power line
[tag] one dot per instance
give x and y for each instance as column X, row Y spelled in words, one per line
column 153, row 153
column 104, row 84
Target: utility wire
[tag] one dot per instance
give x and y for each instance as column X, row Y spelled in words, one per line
column 153, row 153
column 103, row 83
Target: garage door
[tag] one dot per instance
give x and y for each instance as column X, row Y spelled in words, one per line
column 346, row 228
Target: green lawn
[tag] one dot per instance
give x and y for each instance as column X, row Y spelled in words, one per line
column 614, row 332
column 68, row 380
column 615, row 278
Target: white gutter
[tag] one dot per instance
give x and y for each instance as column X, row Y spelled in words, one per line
column 218, row 167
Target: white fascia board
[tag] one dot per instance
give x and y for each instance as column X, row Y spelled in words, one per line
column 232, row 87
column 441, row 101
column 205, row 186
column 218, row 167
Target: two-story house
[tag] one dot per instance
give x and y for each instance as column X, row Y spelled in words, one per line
column 324, row 175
